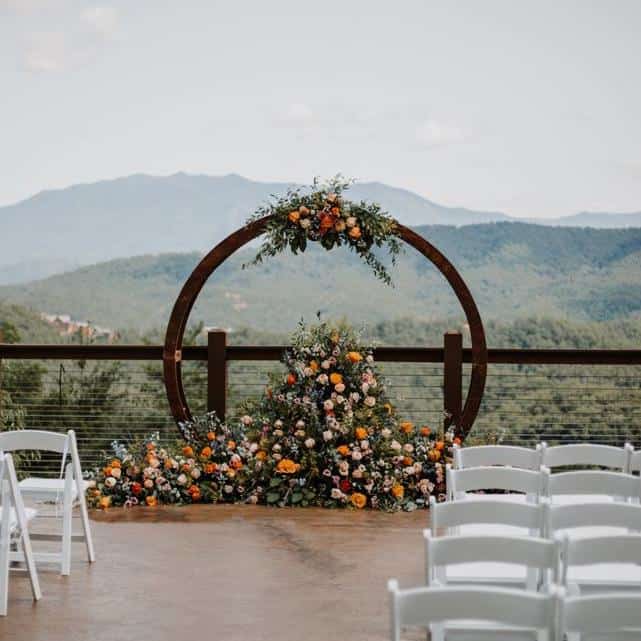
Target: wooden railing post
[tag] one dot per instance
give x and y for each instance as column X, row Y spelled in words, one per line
column 452, row 378
column 217, row 372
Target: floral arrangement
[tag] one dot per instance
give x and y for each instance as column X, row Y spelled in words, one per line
column 325, row 433
column 323, row 215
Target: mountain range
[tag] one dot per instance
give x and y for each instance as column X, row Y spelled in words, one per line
column 60, row 230
column 514, row 270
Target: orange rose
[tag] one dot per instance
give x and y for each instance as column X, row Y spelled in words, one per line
column 335, row 378
column 261, row 455
column 115, row 463
column 188, row 450
column 231, row 445
column 294, row 216
column 206, row 451
column 236, row 464
column 343, row 450
column 314, row 366
column 406, row 427
column 211, row 436
column 151, row 501
column 335, row 211
column 354, row 357
column 439, row 445
column 407, row 461
column 303, row 210
column 398, row 491
column 194, row 492
column 355, row 233
column 210, row 468
column 358, row 500
column 434, row 455
column 457, row 441
column 291, row 378
column 326, row 223
column 106, row 471
column 425, row 431
column 151, row 446
column 105, row 502
column 360, row 433
column 287, row 466
column 168, row 464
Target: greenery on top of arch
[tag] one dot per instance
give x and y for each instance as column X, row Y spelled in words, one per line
column 323, row 215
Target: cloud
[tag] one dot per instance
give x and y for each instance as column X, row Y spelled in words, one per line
column 433, row 133
column 102, row 20
column 298, row 114
column 46, row 53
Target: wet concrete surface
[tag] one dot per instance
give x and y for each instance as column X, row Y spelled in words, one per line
column 224, row 572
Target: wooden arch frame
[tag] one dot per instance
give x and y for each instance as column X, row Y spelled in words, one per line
column 172, row 353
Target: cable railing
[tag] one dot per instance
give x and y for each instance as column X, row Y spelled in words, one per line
column 116, row 392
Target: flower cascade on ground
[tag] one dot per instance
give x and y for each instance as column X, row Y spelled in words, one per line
column 323, row 215
column 325, row 433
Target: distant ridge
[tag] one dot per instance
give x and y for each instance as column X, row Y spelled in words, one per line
column 57, row 230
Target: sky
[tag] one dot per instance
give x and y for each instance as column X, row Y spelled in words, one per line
column 530, row 108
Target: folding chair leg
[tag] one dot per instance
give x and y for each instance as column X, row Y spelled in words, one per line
column 27, row 552
column 4, row 554
column 67, row 514
column 84, row 517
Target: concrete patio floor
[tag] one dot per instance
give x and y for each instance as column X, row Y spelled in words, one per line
column 225, row 572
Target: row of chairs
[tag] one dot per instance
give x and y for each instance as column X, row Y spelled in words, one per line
column 474, row 538
column 63, row 493
column 550, row 615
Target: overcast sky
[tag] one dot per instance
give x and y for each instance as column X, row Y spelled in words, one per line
column 532, row 108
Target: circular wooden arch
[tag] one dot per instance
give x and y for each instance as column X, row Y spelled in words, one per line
column 192, row 287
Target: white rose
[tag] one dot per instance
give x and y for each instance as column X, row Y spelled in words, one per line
column 326, row 364
column 278, row 423
column 278, row 432
column 365, row 444
column 309, row 443
column 253, row 447
column 110, row 481
column 370, row 401
column 369, row 358
column 340, row 399
column 308, row 371
column 228, row 489
column 322, row 379
column 357, row 474
column 116, row 472
column 356, row 455
column 365, row 387
column 305, row 223
column 148, row 484
column 246, row 420
column 336, row 493
column 328, row 435
column 355, row 396
column 386, row 432
column 339, row 387
column 277, row 456
column 328, row 405
column 395, row 445
column 276, row 447
column 300, row 424
column 351, row 221
column 408, row 447
column 343, row 468
column 195, row 473
column 182, row 479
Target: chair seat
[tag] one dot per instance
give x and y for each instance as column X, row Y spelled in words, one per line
column 47, row 488
column 29, row 512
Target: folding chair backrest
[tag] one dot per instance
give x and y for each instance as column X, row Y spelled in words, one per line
column 626, row 516
column 527, row 551
column 41, row 440
column 602, row 616
column 509, row 479
column 507, row 455
column 425, row 606
column 593, row 550
column 453, row 514
column 587, row 454
column 614, row 484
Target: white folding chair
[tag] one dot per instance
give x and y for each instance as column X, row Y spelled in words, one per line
column 68, row 489
column 623, row 550
column 635, row 461
column 475, row 517
column 586, row 454
column 589, row 521
column 507, row 455
column 474, row 612
column 517, row 484
column 487, row 555
column 14, row 531
column 572, row 487
column 602, row 617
